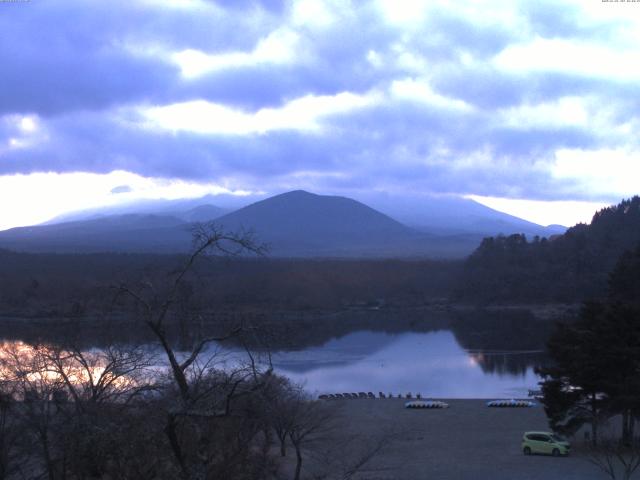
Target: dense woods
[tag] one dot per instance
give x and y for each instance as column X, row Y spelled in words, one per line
column 596, row 360
column 563, row 269
column 30, row 283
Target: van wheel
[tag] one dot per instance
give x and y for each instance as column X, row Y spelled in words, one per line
column 527, row 451
column 555, row 452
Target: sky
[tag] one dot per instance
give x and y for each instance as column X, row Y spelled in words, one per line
column 528, row 107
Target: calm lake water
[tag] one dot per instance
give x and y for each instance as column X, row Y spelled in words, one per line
column 475, row 358
column 432, row 363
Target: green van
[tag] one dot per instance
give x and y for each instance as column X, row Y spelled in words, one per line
column 545, row 443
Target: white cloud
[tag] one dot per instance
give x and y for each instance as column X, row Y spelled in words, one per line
column 26, row 131
column 38, row 197
column 609, row 172
column 566, row 111
column 416, row 14
column 179, row 4
column 626, row 16
column 421, row 91
column 315, row 13
column 303, row 113
column 617, row 61
column 279, row 47
column 404, row 12
column 375, row 59
column 28, row 124
column 409, row 61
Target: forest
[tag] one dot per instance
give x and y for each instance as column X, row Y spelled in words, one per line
column 563, row 269
column 30, row 283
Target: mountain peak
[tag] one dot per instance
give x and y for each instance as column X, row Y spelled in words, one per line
column 297, row 194
column 300, row 192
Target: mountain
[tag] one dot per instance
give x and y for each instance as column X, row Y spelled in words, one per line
column 190, row 209
column 436, row 214
column 447, row 215
column 293, row 224
column 201, row 213
column 299, row 223
column 566, row 268
column 117, row 233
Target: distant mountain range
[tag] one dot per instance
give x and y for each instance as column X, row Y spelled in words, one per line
column 293, row 224
column 446, row 215
column 190, row 210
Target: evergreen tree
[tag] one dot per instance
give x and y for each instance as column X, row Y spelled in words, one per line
column 573, row 387
column 596, row 359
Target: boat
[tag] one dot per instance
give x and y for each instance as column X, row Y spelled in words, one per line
column 426, row 404
column 511, row 403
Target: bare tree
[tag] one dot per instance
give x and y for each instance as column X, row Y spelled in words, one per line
column 278, row 401
column 311, row 421
column 113, row 374
column 116, row 412
column 9, row 433
column 202, row 415
column 312, row 428
column 71, row 401
column 208, row 239
column 38, row 391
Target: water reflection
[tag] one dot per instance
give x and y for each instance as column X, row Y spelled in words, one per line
column 433, row 364
column 47, row 372
column 462, row 355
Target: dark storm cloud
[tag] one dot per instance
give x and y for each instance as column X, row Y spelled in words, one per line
column 330, row 61
column 87, row 69
column 63, row 56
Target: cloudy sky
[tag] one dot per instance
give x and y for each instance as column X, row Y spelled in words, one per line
column 531, row 107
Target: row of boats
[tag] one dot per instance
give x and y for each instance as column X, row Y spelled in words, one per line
column 511, row 403
column 420, row 403
column 333, row 396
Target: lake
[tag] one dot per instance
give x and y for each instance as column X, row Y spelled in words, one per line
column 492, row 357
column 431, row 363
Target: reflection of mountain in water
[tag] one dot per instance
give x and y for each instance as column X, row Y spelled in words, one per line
column 344, row 350
column 432, row 363
column 503, row 341
column 508, row 362
column 499, row 342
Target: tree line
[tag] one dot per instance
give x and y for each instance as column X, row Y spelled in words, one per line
column 562, row 269
column 57, row 285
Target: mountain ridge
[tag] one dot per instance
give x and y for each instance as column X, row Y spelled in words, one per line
column 295, row 224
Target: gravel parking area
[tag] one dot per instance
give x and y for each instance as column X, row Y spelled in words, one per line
column 466, row 441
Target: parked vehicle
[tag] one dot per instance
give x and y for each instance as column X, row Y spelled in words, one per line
column 546, row 443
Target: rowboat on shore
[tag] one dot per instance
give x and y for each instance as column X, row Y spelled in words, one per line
column 426, row 404
column 511, row 403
